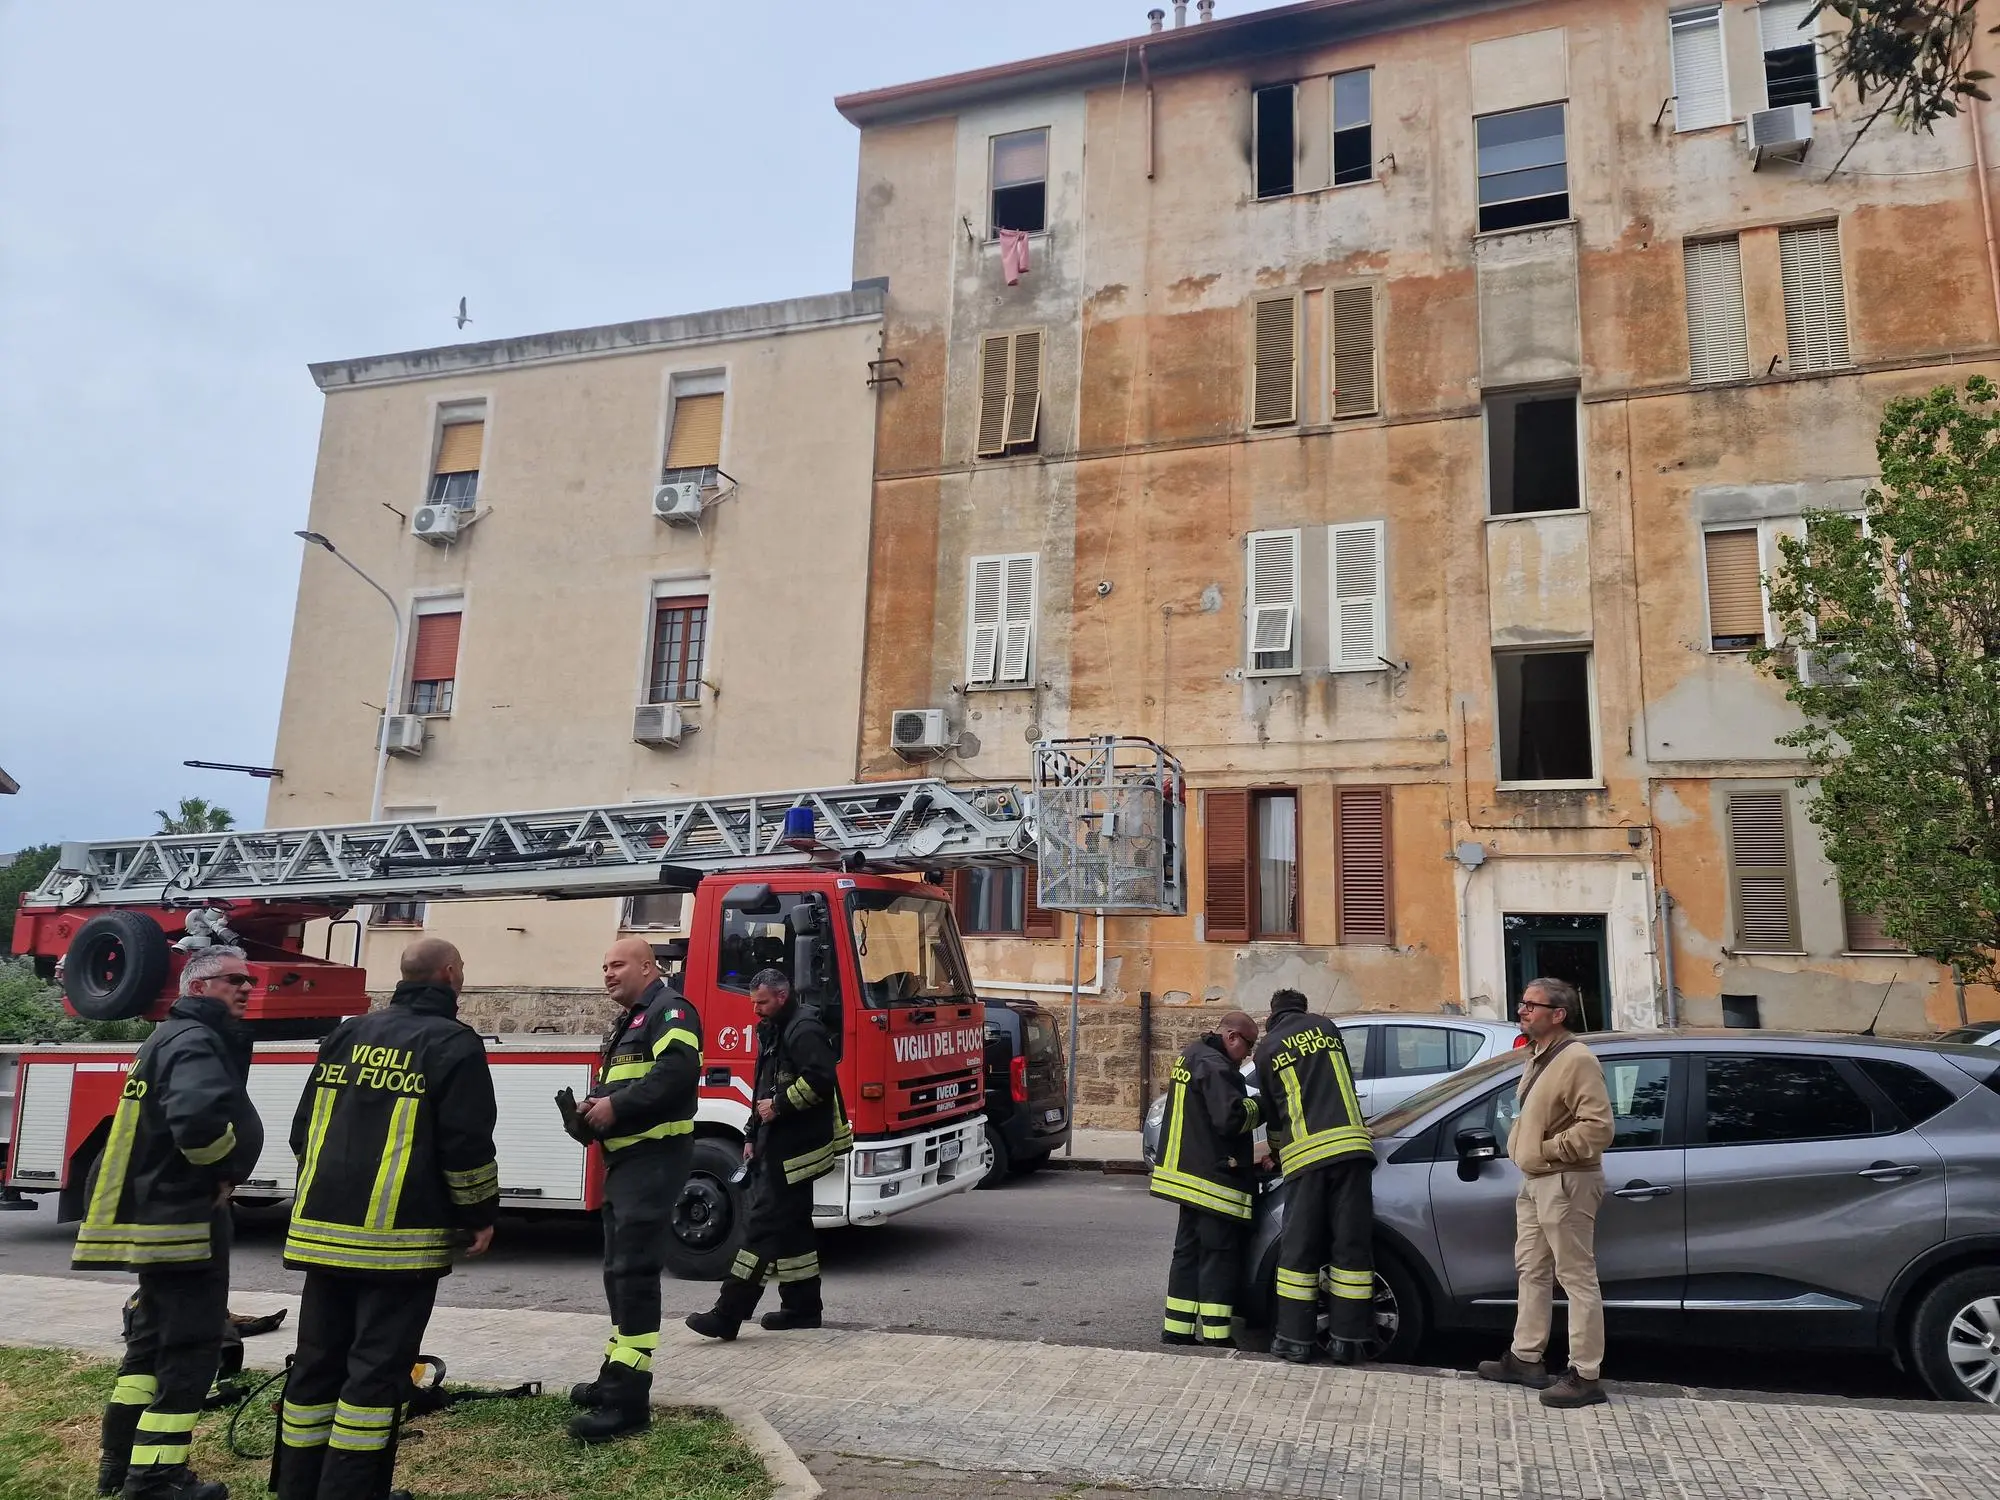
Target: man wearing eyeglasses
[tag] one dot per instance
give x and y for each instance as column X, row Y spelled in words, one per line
column 185, row 1133
column 1557, row 1140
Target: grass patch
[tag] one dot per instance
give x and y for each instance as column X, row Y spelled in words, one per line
column 51, row 1402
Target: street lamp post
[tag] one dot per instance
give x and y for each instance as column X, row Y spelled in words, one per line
column 395, row 670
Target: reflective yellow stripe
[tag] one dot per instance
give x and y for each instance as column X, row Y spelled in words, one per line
column 1199, row 1192
column 116, row 1163
column 1352, row 1278
column 802, row 1094
column 322, row 1113
column 744, row 1264
column 678, row 1034
column 221, row 1146
column 1299, row 1286
column 166, row 1422
column 625, row 1354
column 475, row 1186
column 1171, row 1157
column 362, row 1429
column 1181, row 1304
column 1253, row 1114
column 656, row 1133
column 619, row 1072
column 135, row 1390
column 1295, row 1110
column 1213, row 1310
column 1355, row 1293
column 1178, row 1325
column 159, row 1455
column 1325, row 1145
column 796, row 1268
column 394, row 1166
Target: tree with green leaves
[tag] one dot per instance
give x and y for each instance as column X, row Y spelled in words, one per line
column 23, row 873
column 196, row 815
column 31, row 1010
column 1891, row 650
column 1911, row 58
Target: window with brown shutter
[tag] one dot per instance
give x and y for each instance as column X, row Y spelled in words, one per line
column 1037, row 921
column 434, row 663
column 680, row 637
column 1275, row 382
column 1010, row 393
column 1251, row 859
column 455, row 475
column 1735, row 590
column 1354, row 351
column 998, row 901
column 1226, row 866
column 1762, row 891
column 1865, row 933
column 696, row 442
column 1362, row 875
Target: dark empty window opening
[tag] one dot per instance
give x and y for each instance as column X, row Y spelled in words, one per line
column 1531, row 454
column 1544, row 715
column 1021, row 181
column 1791, row 75
column 1523, row 168
column 1277, row 140
column 1353, row 127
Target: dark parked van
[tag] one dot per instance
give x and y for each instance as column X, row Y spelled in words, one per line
column 1026, row 1118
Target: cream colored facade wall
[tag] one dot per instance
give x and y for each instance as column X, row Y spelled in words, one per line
column 558, row 578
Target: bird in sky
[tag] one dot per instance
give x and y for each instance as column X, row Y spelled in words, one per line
column 463, row 316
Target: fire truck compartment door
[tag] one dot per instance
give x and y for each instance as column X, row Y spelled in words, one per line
column 274, row 1090
column 41, row 1149
column 538, row 1163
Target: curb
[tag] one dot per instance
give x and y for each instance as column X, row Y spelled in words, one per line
column 788, row 1472
column 1115, row 1166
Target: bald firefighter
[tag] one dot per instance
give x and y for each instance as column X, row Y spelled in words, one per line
column 1326, row 1155
column 1205, row 1165
column 641, row 1114
column 394, row 1135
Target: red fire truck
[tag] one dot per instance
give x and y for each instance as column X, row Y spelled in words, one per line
column 837, row 887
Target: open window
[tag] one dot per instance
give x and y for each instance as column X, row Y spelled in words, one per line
column 1544, row 716
column 694, row 435
column 1272, row 613
column 434, row 656
column 999, row 901
column 1251, row 843
column 461, row 448
column 1790, row 35
column 1532, row 461
column 1010, row 393
column 1020, row 174
column 1353, row 126
column 1277, row 145
column 1523, row 168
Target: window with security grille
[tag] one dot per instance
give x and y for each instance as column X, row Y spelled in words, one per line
column 680, row 633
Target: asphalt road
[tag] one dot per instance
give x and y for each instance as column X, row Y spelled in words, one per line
column 1065, row 1256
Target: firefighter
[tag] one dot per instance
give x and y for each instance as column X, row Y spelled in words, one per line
column 1205, row 1163
column 641, row 1114
column 184, row 1134
column 1326, row 1155
column 394, row 1136
column 799, row 1133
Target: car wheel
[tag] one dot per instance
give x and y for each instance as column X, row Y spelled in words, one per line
column 1003, row 1163
column 1954, row 1341
column 708, row 1218
column 1399, row 1315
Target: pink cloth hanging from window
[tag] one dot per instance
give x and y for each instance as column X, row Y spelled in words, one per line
column 1014, row 254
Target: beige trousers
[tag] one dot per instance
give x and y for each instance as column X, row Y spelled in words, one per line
column 1555, row 1239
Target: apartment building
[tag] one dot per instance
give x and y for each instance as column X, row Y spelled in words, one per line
column 626, row 562
column 1399, row 407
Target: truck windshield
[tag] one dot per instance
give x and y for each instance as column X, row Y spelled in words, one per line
column 908, row 950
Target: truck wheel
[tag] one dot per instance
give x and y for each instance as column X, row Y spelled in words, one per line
column 708, row 1219
column 1954, row 1340
column 116, row 966
column 996, row 1175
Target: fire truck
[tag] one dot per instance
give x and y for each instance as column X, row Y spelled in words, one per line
column 838, row 887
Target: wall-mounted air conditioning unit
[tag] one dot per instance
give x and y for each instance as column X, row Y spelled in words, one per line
column 1786, row 132
column 438, row 522
column 919, row 733
column 659, row 724
column 678, row 502
column 403, row 734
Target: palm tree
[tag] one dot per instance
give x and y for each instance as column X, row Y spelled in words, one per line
column 196, row 815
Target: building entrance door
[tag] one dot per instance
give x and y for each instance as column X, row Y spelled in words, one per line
column 1559, row 946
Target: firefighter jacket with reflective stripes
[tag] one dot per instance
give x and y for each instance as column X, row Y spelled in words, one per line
column 1308, row 1093
column 184, row 1126
column 651, row 1069
column 795, row 1068
column 394, row 1136
column 1205, row 1136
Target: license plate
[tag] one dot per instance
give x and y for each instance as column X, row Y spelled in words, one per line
column 948, row 1150
column 1052, row 1117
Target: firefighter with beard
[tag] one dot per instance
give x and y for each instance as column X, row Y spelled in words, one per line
column 1326, row 1154
column 799, row 1134
column 1205, row 1163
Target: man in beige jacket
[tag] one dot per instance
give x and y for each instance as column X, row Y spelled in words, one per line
column 1561, row 1127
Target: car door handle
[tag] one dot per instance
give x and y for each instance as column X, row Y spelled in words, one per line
column 1642, row 1191
column 1888, row 1171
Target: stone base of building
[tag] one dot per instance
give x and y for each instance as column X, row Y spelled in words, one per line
column 559, row 1012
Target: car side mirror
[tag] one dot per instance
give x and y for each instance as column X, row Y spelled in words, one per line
column 1475, row 1148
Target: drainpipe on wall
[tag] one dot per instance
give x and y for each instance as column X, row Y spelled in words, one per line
column 1673, row 1006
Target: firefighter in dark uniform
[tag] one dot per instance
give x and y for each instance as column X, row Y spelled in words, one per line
column 1206, row 1150
column 394, row 1136
column 641, row 1114
column 799, row 1133
column 183, row 1135
column 1326, row 1155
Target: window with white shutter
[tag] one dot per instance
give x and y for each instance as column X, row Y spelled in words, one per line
column 1815, row 297
column 1274, row 396
column 1701, row 85
column 1762, row 888
column 1354, row 351
column 1273, row 614
column 1718, row 335
column 1010, row 393
column 1360, row 593
column 1000, row 620
column 1790, row 35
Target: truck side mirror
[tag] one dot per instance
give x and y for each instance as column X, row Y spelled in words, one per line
column 1475, row 1148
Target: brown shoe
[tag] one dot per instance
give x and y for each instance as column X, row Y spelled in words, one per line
column 1573, row 1390
column 1509, row 1370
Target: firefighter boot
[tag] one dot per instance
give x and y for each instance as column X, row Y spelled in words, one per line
column 624, row 1405
column 798, row 1306
column 120, row 1423
column 735, row 1302
column 1293, row 1351
column 179, row 1483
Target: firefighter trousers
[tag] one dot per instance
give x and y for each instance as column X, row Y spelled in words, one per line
column 1329, row 1224
column 778, row 1245
column 359, row 1336
column 1201, row 1282
column 642, row 1183
column 173, row 1339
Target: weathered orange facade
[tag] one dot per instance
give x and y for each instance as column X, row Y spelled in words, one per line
column 1147, row 475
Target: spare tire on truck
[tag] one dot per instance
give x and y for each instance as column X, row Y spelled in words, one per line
column 116, row 966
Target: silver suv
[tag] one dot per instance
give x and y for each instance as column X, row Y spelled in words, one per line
column 1764, row 1190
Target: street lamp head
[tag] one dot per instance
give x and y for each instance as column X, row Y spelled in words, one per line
column 317, row 540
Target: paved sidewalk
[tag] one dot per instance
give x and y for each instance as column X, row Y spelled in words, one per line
column 1102, row 1151
column 1186, row 1421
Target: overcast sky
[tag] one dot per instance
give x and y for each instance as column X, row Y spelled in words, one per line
column 197, row 199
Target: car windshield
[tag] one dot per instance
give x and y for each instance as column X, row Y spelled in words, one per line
column 1041, row 1039
column 907, row 948
column 1971, row 1035
column 1392, row 1123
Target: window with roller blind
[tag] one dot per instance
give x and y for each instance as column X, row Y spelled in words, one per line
column 1763, row 893
column 694, row 431
column 1865, row 933
column 1000, row 621
column 1271, row 614
column 1790, row 35
column 1250, row 856
column 1701, row 82
column 1010, row 393
column 1718, row 333
column 1815, row 298
column 434, row 657
column 461, row 447
column 1352, row 313
column 1362, row 865
column 1359, row 590
column 1274, row 378
column 1734, row 561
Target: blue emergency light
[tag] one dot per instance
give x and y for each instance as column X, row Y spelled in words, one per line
column 799, row 830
